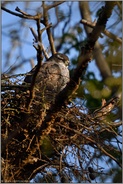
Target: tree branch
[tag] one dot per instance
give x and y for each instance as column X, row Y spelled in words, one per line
column 86, row 54
column 39, row 60
column 55, row 4
column 45, row 22
column 24, row 15
column 106, row 32
column 97, row 52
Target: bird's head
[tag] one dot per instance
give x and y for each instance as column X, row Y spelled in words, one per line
column 58, row 57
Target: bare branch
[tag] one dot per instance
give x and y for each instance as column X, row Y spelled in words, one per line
column 106, row 32
column 108, row 154
column 86, row 53
column 34, row 34
column 25, row 16
column 119, row 5
column 51, row 41
column 36, row 40
column 54, row 5
column 97, row 52
column 24, row 130
column 39, row 60
column 21, row 11
column 106, row 108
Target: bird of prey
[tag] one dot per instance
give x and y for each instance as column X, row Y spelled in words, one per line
column 51, row 78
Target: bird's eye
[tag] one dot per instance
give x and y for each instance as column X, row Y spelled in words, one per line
column 59, row 57
column 63, row 58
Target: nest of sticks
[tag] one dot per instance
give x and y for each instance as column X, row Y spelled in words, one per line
column 29, row 139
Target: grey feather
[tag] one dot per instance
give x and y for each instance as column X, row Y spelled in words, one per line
column 51, row 78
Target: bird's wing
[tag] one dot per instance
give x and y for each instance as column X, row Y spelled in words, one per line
column 50, row 80
column 51, row 74
column 50, row 77
column 28, row 78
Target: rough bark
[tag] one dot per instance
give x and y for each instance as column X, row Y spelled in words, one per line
column 97, row 52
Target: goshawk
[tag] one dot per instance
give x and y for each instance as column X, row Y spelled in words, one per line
column 51, row 78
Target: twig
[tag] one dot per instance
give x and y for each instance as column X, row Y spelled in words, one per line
column 104, row 110
column 13, row 86
column 39, row 43
column 6, row 76
column 54, row 5
column 25, row 16
column 108, row 154
column 94, row 142
column 19, row 10
column 37, row 170
column 34, row 34
column 51, row 41
column 106, row 32
column 39, row 60
column 44, row 50
column 119, row 5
